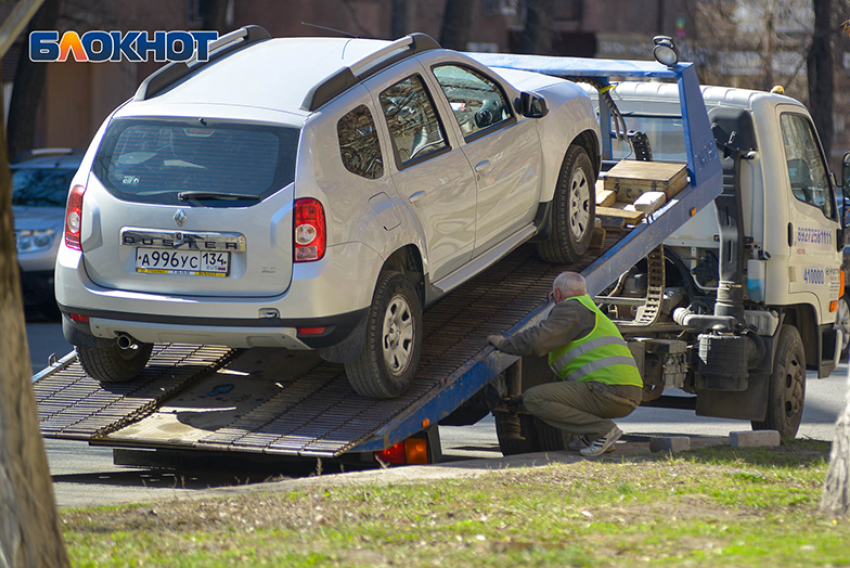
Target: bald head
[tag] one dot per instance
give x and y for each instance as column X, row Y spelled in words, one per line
column 570, row 284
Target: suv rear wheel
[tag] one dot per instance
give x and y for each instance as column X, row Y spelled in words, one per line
column 393, row 344
column 113, row 364
column 573, row 210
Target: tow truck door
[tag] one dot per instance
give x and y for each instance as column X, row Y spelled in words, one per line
column 813, row 217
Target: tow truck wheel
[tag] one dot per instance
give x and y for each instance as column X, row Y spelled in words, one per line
column 573, row 210
column 113, row 364
column 393, row 344
column 842, row 322
column 787, row 385
column 551, row 439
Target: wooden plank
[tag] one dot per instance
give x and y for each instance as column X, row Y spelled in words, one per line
column 597, row 239
column 631, row 217
column 16, row 22
column 605, row 198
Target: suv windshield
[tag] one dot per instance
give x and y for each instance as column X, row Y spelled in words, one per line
column 41, row 187
column 214, row 162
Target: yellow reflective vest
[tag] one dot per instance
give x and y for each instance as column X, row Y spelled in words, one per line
column 602, row 355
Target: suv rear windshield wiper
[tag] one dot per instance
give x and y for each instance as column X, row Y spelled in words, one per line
column 186, row 195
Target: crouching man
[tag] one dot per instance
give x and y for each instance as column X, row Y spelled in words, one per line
column 596, row 377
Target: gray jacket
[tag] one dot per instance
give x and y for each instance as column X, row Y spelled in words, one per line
column 566, row 322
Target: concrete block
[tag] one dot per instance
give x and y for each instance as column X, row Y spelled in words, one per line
column 671, row 444
column 754, row 439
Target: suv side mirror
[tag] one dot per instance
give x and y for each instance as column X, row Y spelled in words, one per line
column 532, row 105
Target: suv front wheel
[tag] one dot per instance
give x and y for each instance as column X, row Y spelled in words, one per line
column 113, row 364
column 573, row 210
column 393, row 343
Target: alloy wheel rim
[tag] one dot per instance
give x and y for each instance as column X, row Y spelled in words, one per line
column 398, row 335
column 794, row 384
column 579, row 203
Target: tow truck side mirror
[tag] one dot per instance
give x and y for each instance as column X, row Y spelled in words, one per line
column 532, row 106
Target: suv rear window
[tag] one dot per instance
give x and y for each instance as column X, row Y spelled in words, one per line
column 155, row 160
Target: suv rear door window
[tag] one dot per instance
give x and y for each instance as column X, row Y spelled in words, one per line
column 412, row 121
column 154, row 160
column 358, row 144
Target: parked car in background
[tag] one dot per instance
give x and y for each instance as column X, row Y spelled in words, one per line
column 40, row 182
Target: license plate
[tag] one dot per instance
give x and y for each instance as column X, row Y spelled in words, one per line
column 182, row 262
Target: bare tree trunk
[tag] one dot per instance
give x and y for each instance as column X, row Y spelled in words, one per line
column 537, row 35
column 30, row 536
column 401, row 18
column 836, row 493
column 30, row 79
column 457, row 20
column 820, row 64
column 214, row 13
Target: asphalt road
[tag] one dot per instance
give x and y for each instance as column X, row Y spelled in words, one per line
column 85, row 475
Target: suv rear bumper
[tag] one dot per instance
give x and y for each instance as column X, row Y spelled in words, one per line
column 340, row 283
column 270, row 332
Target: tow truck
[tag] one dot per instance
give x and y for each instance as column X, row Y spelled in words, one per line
column 727, row 344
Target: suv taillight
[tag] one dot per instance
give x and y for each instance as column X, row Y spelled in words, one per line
column 309, row 234
column 74, row 217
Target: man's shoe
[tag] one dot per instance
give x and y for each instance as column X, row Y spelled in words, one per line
column 602, row 445
column 577, row 443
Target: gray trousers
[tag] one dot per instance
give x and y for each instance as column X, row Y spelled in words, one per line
column 581, row 408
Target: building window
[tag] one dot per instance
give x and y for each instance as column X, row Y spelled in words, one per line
column 501, row 7
column 194, row 17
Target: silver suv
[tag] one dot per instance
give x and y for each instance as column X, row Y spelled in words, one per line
column 315, row 194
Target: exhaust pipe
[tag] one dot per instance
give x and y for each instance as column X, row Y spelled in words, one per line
column 127, row 342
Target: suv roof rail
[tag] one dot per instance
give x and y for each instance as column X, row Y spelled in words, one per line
column 347, row 77
column 44, row 152
column 178, row 70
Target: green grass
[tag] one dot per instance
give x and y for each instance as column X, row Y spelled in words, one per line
column 716, row 507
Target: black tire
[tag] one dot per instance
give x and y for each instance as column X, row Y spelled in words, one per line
column 113, row 364
column 842, row 322
column 787, row 390
column 550, row 439
column 393, row 343
column 573, row 210
column 514, row 446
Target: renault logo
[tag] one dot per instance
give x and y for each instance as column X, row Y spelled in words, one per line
column 180, row 217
